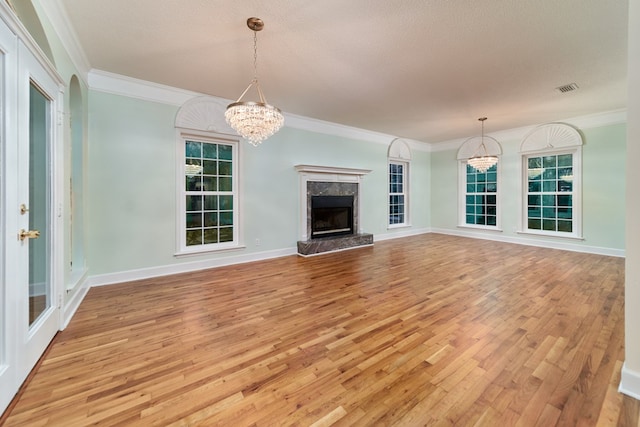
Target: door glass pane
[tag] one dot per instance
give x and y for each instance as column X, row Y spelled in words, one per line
column 39, row 289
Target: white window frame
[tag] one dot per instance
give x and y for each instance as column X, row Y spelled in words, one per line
column 405, row 193
column 399, row 152
column 576, row 193
column 552, row 139
column 462, row 199
column 181, row 228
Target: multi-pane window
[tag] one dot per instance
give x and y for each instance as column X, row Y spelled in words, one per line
column 210, row 202
column 550, row 201
column 481, row 196
column 397, row 193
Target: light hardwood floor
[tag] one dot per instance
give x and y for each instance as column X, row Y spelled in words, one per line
column 426, row 330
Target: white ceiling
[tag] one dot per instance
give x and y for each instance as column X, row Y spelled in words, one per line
column 418, row 69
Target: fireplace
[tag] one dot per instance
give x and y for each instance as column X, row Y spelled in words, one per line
column 330, row 209
column 331, row 216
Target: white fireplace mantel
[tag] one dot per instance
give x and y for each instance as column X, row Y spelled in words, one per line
column 313, row 173
column 311, row 169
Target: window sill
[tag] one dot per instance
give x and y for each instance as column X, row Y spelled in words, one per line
column 481, row 227
column 205, row 251
column 561, row 236
column 394, row 226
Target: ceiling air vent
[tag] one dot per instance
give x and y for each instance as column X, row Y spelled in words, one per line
column 567, row 88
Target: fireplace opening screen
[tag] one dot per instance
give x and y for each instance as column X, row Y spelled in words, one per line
column 331, row 216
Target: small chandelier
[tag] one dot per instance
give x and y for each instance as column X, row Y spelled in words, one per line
column 254, row 121
column 191, row 169
column 482, row 161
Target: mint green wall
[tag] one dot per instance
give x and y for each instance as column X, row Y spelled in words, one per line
column 421, row 188
column 603, row 158
column 271, row 183
column 131, row 184
column 132, row 192
column 444, row 177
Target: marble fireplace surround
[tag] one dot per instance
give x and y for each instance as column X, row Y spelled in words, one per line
column 329, row 181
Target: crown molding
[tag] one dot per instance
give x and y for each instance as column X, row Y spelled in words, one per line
column 57, row 16
column 335, row 129
column 588, row 121
column 104, row 81
column 117, row 84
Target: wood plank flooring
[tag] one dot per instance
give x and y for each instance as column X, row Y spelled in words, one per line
column 427, row 330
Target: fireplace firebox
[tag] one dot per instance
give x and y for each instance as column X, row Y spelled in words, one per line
column 331, row 216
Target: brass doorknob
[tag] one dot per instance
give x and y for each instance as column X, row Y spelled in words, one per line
column 28, row 234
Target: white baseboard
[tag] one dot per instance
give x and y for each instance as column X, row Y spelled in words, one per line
column 164, row 270
column 146, row 273
column 398, row 233
column 76, row 296
column 629, row 382
column 532, row 241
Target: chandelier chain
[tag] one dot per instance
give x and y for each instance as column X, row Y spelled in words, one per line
column 255, row 55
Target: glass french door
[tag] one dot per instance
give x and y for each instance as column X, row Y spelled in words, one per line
column 32, row 291
column 35, row 239
column 37, row 236
column 38, row 311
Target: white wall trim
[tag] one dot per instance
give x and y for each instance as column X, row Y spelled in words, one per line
column 335, row 172
column 55, row 12
column 598, row 119
column 537, row 242
column 320, row 126
column 71, row 305
column 629, row 382
column 14, row 24
column 581, row 122
column 165, row 270
column 103, row 81
column 404, row 232
column 147, row 273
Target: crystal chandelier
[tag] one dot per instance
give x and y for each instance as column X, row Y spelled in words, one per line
column 254, row 121
column 482, row 162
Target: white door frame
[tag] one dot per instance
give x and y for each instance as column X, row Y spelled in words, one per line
column 22, row 62
column 8, row 170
